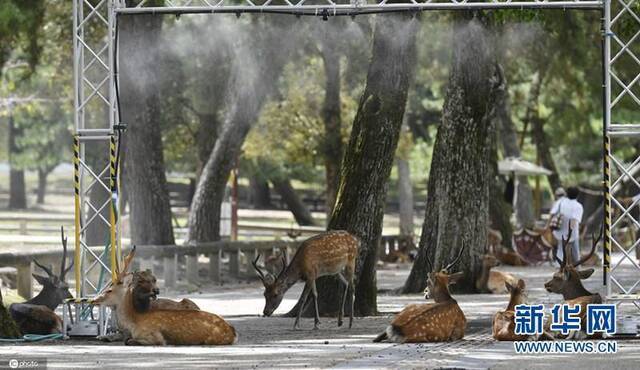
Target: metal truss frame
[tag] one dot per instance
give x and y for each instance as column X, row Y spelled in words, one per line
column 95, row 88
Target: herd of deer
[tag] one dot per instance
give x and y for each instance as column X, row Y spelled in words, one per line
column 145, row 319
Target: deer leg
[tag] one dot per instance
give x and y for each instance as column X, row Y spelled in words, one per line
column 344, row 298
column 303, row 303
column 314, row 291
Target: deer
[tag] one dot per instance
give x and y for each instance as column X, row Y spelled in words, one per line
column 144, row 287
column 503, row 328
column 161, row 326
column 36, row 315
column 567, row 281
column 491, row 281
column 441, row 321
column 329, row 253
column 505, row 256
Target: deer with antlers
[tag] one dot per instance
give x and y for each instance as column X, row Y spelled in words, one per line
column 567, row 281
column 37, row 316
column 161, row 326
column 329, row 253
column 491, row 281
column 441, row 321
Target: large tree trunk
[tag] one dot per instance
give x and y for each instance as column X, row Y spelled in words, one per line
column 457, row 207
column 251, row 91
column 139, row 85
column 17, row 191
column 332, row 121
column 260, row 193
column 369, row 158
column 292, row 200
column 509, row 139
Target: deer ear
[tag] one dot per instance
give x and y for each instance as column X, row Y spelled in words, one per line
column 453, row 278
column 40, row 279
column 584, row 274
column 509, row 286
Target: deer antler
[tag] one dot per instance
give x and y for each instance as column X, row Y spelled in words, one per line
column 63, row 270
column 255, row 266
column 284, row 261
column 127, row 262
column 565, row 242
column 43, row 267
column 449, row 266
column 593, row 248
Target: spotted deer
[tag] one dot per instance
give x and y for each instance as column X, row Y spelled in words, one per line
column 330, row 253
column 491, row 281
column 567, row 281
column 503, row 327
column 160, row 326
column 441, row 321
column 37, row 316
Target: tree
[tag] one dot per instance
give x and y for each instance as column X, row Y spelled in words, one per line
column 253, row 85
column 369, row 157
column 457, row 207
column 140, row 94
column 405, row 189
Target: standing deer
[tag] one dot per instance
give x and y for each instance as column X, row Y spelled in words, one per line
column 503, row 327
column 566, row 281
column 37, row 316
column 441, row 321
column 160, row 326
column 491, row 281
column 329, row 253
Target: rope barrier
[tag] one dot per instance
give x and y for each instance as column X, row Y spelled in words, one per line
column 32, row 338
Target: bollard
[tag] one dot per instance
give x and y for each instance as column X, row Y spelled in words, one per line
column 215, row 266
column 191, row 262
column 24, row 280
column 169, row 271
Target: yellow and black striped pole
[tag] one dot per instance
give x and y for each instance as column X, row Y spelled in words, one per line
column 112, row 186
column 607, row 210
column 76, row 188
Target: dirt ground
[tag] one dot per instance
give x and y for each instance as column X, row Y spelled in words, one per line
column 272, row 343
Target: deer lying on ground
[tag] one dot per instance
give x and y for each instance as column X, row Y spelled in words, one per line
column 503, row 327
column 495, row 248
column 493, row 281
column 329, row 253
column 37, row 316
column 162, row 327
column 441, row 321
column 566, row 281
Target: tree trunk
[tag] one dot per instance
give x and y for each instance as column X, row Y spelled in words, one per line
column 251, row 91
column 509, row 140
column 457, row 208
column 540, row 138
column 260, row 193
column 42, row 185
column 369, row 157
column 292, row 200
column 8, row 327
column 332, row 121
column 140, row 70
column 17, row 188
column 405, row 197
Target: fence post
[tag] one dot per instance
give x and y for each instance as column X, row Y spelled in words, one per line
column 24, row 279
column 23, row 227
column 234, row 263
column 191, row 262
column 215, row 266
column 169, row 271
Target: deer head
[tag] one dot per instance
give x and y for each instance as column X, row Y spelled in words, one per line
column 438, row 282
column 274, row 287
column 517, row 292
column 115, row 293
column 144, row 290
column 54, row 287
column 489, row 261
column 566, row 280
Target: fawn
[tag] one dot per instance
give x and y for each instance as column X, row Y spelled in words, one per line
column 566, row 281
column 430, row 322
column 161, row 327
column 493, row 281
column 503, row 327
column 329, row 253
column 37, row 316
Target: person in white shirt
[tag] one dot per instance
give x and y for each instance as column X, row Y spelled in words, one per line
column 571, row 211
